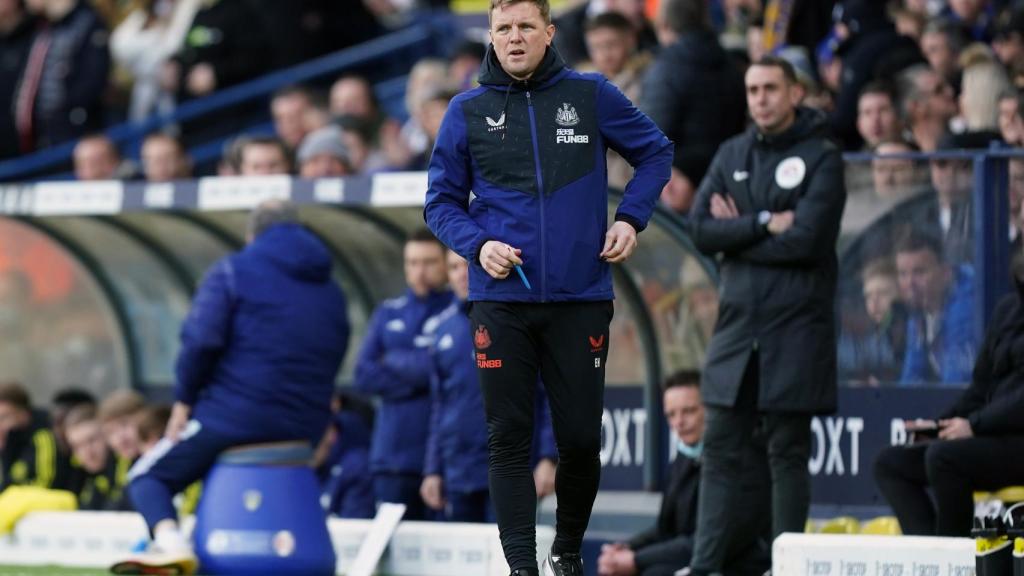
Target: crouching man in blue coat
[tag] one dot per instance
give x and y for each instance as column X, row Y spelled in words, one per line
column 455, row 475
column 259, row 353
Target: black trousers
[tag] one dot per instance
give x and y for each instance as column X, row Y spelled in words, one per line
column 754, row 481
column 953, row 470
column 566, row 345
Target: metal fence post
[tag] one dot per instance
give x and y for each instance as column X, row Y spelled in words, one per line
column 992, row 243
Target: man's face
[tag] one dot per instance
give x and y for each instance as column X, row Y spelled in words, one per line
column 771, row 99
column 520, row 38
column 967, row 10
column 290, row 118
column 11, row 418
column 1009, row 49
column 937, row 51
column 94, row 160
column 876, row 118
column 351, row 97
column 1010, row 125
column 424, row 267
column 892, row 176
column 609, row 50
column 458, row 275
column 263, row 160
column 88, row 446
column 122, row 436
column 936, row 97
column 922, row 279
column 685, row 413
column 431, row 114
column 880, row 291
column 951, row 179
column 162, row 160
column 323, row 166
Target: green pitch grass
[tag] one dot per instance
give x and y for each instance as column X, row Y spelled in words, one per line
column 49, row 571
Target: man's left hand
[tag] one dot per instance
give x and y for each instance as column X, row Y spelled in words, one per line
column 955, row 429
column 619, row 243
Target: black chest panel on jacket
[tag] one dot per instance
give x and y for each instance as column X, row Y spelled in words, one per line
column 502, row 145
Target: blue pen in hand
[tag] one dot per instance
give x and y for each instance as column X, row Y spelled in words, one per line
column 519, row 270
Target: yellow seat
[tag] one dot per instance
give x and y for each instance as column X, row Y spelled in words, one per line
column 811, row 526
column 882, row 526
column 840, row 525
column 1010, row 494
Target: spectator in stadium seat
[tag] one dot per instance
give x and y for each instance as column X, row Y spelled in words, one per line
column 984, row 81
column 357, row 134
column 431, row 113
column 60, row 93
column 464, row 64
column 290, row 109
column 16, row 32
column 926, row 105
column 96, row 157
column 164, row 158
column 877, row 120
column 225, row 45
column 771, row 364
column 346, row 484
column 1011, row 122
column 1008, row 37
column 895, row 178
column 876, row 356
column 141, row 44
column 260, row 351
column 668, row 545
column 28, row 450
column 230, row 163
column 323, row 154
column 941, row 343
column 394, row 365
column 571, row 25
column 427, row 77
column 264, row 156
column 62, row 403
column 102, row 484
column 455, row 474
column 869, row 48
column 150, row 423
column 930, row 484
column 950, row 214
column 692, row 91
column 354, row 96
column 976, row 16
column 612, row 49
column 942, row 42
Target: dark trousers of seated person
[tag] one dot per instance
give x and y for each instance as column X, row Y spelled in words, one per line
column 952, row 470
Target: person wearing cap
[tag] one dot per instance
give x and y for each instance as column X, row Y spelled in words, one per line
column 323, row 154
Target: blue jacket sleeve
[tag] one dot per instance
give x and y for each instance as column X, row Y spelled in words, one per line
column 432, row 461
column 636, row 138
column 449, row 176
column 205, row 332
column 546, row 447
column 375, row 367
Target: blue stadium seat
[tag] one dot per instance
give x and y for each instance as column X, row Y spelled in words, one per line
column 260, row 514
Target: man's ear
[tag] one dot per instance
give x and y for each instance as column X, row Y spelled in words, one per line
column 550, row 30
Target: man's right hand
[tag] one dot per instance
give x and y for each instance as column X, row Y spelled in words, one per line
column 498, row 258
column 180, row 414
column 430, row 491
column 780, row 222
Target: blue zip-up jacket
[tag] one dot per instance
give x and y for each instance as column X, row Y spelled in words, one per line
column 956, row 344
column 264, row 340
column 347, row 488
column 394, row 364
column 533, row 154
column 457, row 443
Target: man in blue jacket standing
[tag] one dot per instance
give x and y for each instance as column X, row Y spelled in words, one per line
column 531, row 144
column 259, row 354
column 455, row 474
column 394, row 364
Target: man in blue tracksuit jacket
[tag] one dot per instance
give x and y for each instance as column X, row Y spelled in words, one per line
column 530, row 144
column 260, row 350
column 394, row 365
column 455, row 474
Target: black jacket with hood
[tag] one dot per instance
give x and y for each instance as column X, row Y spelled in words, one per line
column 776, row 292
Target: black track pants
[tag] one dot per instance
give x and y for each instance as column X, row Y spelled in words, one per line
column 566, row 344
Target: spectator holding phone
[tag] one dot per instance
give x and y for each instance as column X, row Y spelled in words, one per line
column 972, row 446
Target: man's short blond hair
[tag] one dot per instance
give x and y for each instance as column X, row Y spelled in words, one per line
column 542, row 5
column 120, row 404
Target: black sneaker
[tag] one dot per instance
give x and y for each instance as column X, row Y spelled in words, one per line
column 523, row 572
column 562, row 565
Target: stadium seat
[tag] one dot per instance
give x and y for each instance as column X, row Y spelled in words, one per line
column 260, row 514
column 840, row 525
column 882, row 526
column 1010, row 494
